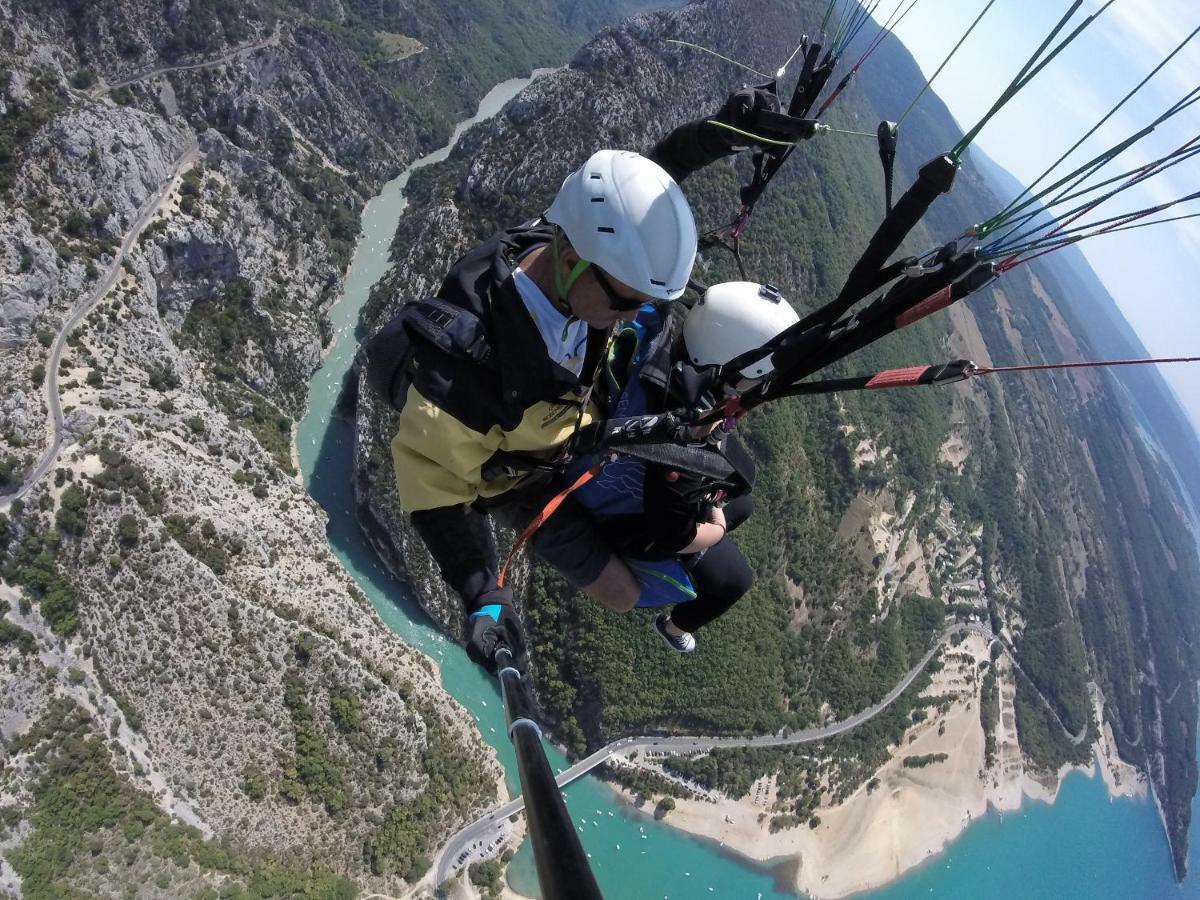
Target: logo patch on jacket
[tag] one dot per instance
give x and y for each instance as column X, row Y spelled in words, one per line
column 554, row 412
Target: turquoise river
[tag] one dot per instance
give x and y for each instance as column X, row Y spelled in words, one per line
column 1082, row 846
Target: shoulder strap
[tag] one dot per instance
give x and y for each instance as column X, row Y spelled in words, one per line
column 432, row 322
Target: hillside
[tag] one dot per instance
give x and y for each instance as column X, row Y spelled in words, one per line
column 1032, row 503
column 1108, row 333
column 198, row 697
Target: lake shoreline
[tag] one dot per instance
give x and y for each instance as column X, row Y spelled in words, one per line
column 868, row 841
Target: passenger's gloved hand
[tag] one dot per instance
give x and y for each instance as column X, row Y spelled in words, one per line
column 741, row 110
column 492, row 623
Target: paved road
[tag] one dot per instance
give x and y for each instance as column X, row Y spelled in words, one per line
column 104, row 87
column 482, row 828
column 85, row 306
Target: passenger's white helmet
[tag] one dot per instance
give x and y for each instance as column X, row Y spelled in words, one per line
column 623, row 213
column 732, row 318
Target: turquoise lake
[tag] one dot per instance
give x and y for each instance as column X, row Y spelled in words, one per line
column 1082, row 846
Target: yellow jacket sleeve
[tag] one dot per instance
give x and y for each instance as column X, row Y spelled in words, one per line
column 438, row 460
column 436, row 457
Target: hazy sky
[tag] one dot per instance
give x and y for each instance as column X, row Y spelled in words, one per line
column 1153, row 273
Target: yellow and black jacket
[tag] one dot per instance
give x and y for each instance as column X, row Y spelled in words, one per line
column 461, row 414
column 485, row 387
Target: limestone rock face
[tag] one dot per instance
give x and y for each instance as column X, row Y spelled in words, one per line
column 184, row 234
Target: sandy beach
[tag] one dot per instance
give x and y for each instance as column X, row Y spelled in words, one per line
column 873, row 837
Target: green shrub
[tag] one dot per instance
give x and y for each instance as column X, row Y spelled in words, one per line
column 83, row 79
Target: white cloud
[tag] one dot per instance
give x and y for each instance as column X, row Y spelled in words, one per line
column 1148, row 30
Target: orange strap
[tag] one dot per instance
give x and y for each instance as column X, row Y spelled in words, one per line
column 547, row 511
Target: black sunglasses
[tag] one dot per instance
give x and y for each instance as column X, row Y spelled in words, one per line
column 617, row 302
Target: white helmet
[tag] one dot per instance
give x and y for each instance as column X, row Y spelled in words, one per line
column 732, row 318
column 623, row 213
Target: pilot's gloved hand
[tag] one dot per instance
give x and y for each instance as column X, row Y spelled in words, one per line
column 492, row 623
column 739, row 112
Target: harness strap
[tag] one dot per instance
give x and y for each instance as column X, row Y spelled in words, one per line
column 888, row 135
column 547, row 511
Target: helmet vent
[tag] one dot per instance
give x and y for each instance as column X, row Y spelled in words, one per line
column 658, row 283
column 595, row 176
column 604, row 229
column 597, row 199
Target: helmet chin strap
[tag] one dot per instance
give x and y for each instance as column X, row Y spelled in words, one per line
column 561, row 287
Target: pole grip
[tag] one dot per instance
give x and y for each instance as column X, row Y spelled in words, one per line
column 562, row 866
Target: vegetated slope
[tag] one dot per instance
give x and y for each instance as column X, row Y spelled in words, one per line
column 176, row 631
column 1031, row 502
column 1098, row 528
column 1109, row 334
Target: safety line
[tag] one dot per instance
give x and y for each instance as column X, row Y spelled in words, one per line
column 1096, row 364
column 1110, row 225
column 1138, row 176
column 828, row 12
column 1082, row 173
column 886, row 29
column 1013, row 261
column 783, row 69
column 1192, row 97
column 818, row 128
column 718, row 56
column 1033, row 66
column 1176, row 157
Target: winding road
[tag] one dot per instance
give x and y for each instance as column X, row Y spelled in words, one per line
column 152, row 205
column 104, row 87
column 460, row 847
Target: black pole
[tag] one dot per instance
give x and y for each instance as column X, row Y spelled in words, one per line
column 563, row 869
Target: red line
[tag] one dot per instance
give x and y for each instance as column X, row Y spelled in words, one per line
column 988, row 370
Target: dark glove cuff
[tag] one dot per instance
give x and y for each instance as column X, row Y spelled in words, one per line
column 490, row 596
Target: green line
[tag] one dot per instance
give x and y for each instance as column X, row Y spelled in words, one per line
column 1151, row 169
column 717, row 55
column 1012, row 206
column 1027, row 72
column 770, row 142
column 1095, row 164
column 1074, row 237
column 828, row 13
column 754, row 137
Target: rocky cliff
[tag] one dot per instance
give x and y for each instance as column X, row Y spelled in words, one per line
column 181, row 186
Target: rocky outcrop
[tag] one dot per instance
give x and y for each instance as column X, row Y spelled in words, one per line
column 198, row 219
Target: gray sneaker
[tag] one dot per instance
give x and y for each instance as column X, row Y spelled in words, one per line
column 685, row 643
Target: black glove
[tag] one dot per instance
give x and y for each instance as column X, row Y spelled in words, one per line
column 493, row 624
column 743, row 111
column 653, row 428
